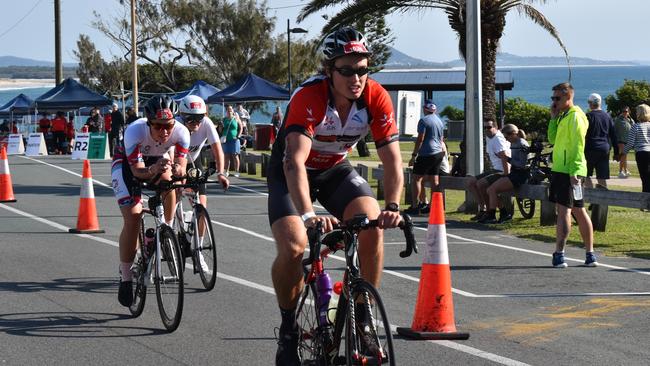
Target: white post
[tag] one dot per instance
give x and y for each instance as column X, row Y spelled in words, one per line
column 473, row 90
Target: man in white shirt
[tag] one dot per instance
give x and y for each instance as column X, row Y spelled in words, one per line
column 498, row 149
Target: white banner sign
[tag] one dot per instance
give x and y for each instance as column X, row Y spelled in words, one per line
column 36, row 145
column 15, row 144
column 80, row 146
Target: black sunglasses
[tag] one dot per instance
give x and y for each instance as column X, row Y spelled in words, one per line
column 193, row 118
column 556, row 99
column 348, row 71
column 161, row 126
column 488, row 127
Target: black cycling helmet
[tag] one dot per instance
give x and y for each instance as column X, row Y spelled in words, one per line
column 345, row 41
column 160, row 107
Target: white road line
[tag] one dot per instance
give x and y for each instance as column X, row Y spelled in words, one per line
column 66, row 170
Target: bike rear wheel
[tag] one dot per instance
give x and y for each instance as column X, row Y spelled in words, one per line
column 169, row 279
column 205, row 248
column 368, row 341
column 310, row 339
column 526, row 207
column 139, row 288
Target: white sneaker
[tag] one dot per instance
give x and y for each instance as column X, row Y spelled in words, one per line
column 627, row 173
column 622, row 175
column 236, row 175
column 204, row 266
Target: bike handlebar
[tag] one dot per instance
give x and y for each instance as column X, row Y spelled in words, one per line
column 357, row 223
column 193, row 178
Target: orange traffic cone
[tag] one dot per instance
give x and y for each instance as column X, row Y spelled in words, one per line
column 434, row 310
column 87, row 222
column 6, row 188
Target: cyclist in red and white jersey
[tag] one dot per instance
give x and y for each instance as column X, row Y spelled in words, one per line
column 144, row 155
column 326, row 117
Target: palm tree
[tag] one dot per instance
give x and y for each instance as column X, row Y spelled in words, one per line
column 493, row 21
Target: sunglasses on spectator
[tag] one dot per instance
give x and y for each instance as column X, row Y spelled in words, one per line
column 348, row 71
column 556, row 99
column 488, row 127
column 161, row 126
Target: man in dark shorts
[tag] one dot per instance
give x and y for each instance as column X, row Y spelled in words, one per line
column 327, row 115
column 428, row 152
column 601, row 136
column 566, row 131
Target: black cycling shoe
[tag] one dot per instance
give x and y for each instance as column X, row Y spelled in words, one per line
column 125, row 293
column 287, row 353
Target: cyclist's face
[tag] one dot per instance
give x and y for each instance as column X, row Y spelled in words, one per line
column 161, row 129
column 349, row 87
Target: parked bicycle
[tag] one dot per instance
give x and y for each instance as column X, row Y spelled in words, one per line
column 159, row 261
column 360, row 311
column 539, row 171
column 194, row 228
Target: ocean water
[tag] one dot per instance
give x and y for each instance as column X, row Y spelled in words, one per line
column 531, row 83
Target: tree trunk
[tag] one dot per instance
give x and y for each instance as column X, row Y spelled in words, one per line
column 488, row 68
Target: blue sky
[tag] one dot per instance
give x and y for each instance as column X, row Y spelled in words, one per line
column 607, row 30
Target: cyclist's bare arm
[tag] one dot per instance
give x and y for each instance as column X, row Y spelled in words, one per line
column 391, row 158
column 217, row 153
column 297, row 150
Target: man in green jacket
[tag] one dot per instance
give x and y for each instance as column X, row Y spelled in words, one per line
column 566, row 131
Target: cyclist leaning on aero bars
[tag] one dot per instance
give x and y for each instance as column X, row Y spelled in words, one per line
column 327, row 115
column 143, row 155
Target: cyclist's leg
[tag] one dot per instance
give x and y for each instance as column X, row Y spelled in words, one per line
column 371, row 241
column 286, row 272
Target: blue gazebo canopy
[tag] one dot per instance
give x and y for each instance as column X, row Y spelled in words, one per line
column 250, row 88
column 200, row 88
column 70, row 94
column 21, row 104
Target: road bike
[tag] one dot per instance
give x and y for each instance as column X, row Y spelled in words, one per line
column 194, row 229
column 360, row 321
column 160, row 262
column 538, row 171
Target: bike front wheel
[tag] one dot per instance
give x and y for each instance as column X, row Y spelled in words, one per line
column 205, row 248
column 311, row 347
column 169, row 279
column 368, row 339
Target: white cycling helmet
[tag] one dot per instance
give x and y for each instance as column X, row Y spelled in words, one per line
column 193, row 104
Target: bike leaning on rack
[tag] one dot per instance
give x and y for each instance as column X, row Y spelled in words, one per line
column 194, row 229
column 360, row 322
column 159, row 260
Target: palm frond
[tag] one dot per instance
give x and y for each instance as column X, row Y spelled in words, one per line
column 542, row 21
column 317, row 5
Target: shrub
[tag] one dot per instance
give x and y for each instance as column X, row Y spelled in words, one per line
column 452, row 113
column 532, row 118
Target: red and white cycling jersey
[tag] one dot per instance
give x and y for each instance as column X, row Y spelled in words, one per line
column 311, row 112
column 139, row 144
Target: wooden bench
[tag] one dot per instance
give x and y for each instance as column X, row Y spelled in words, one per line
column 600, row 199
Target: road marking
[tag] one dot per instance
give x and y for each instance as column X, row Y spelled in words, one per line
column 66, row 170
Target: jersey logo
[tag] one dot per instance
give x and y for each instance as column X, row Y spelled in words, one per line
column 387, row 119
column 310, row 118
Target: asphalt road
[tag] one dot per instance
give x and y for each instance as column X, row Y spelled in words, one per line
column 58, row 302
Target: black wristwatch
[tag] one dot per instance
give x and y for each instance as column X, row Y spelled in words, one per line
column 394, row 207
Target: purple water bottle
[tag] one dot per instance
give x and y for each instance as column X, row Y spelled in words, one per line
column 324, row 286
column 149, row 237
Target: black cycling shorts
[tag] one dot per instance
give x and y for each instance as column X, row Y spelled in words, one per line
column 428, row 165
column 334, row 188
column 561, row 191
column 518, row 177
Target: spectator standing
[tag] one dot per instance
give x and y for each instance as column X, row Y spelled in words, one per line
column 107, row 123
column 517, row 176
column 45, row 127
column 638, row 139
column 498, row 149
column 70, row 131
column 276, row 121
column 59, row 123
column 623, row 123
column 131, row 116
column 597, row 142
column 427, row 156
column 117, row 124
column 245, row 118
column 567, row 130
column 95, row 122
column 231, row 128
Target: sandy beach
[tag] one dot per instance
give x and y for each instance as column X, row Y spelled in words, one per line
column 6, row 84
